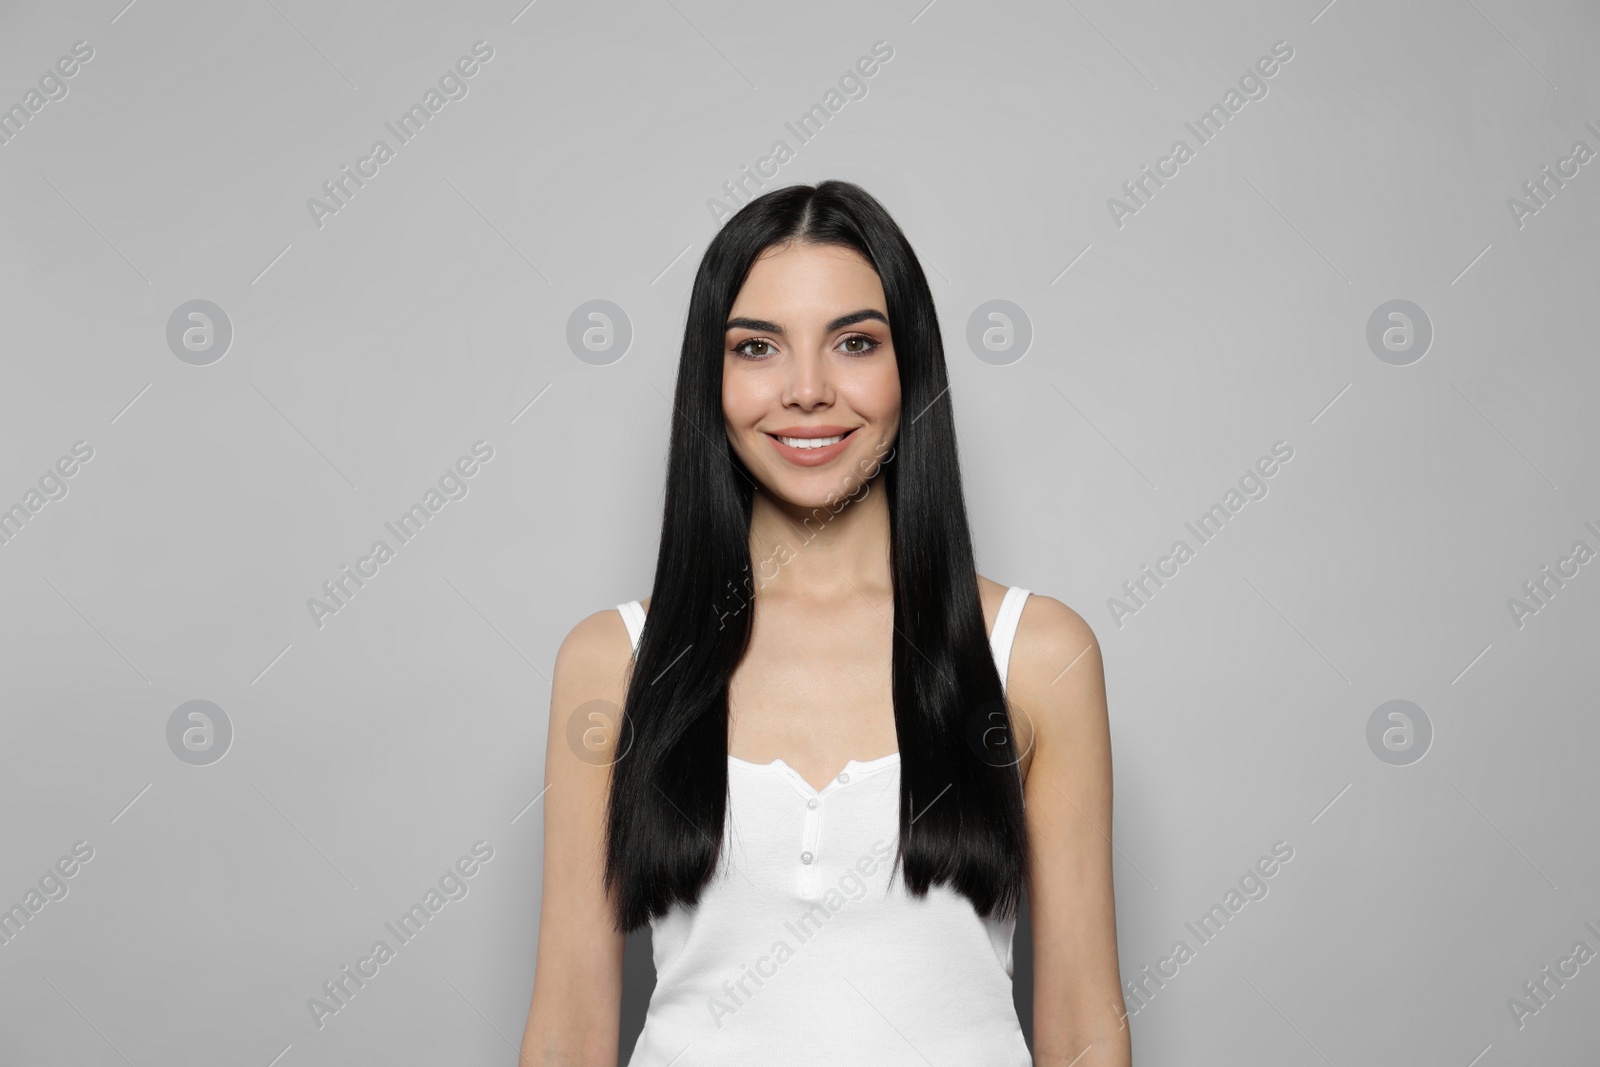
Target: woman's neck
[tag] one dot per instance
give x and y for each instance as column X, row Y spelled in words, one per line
column 817, row 554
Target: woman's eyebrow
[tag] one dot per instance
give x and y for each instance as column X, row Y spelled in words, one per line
column 763, row 326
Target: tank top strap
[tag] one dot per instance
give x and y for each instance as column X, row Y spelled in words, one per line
column 1005, row 626
column 1005, row 629
column 633, row 619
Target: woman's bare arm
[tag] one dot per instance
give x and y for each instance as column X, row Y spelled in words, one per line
column 1078, row 1008
column 577, row 987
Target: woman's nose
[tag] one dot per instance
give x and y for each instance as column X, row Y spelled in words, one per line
column 807, row 384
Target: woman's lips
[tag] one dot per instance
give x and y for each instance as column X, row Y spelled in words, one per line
column 811, row 457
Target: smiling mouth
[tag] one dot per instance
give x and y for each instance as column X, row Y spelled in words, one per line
column 811, row 442
column 808, row 443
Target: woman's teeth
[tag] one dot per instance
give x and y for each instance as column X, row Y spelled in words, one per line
column 812, row 442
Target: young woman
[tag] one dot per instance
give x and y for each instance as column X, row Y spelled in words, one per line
column 828, row 756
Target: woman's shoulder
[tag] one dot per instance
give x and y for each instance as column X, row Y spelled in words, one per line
column 1046, row 628
column 595, row 653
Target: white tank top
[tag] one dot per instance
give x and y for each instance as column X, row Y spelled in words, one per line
column 803, row 952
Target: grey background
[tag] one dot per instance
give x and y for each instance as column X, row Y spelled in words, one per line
column 432, row 312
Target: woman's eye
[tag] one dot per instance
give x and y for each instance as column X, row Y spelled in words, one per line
column 855, row 345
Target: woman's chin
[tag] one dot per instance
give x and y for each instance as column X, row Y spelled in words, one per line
column 805, row 493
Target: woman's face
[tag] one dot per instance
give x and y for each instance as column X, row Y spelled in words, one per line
column 808, row 358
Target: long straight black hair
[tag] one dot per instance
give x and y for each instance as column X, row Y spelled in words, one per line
column 959, row 782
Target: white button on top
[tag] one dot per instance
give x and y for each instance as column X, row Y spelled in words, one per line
column 844, row 776
column 812, row 803
column 806, row 857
